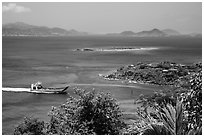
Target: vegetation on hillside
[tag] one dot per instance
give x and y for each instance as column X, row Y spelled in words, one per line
column 163, row 73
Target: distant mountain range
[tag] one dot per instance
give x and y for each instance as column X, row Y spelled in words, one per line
column 154, row 33
column 151, row 33
column 23, row 29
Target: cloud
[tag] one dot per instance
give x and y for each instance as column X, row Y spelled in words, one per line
column 13, row 7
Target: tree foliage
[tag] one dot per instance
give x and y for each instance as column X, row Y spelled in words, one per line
column 192, row 101
column 30, row 126
column 90, row 113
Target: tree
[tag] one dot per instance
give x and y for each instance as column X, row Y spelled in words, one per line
column 90, row 113
column 170, row 121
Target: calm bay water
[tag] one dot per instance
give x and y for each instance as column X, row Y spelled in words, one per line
column 53, row 61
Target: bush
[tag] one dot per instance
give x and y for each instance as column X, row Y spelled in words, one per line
column 90, row 113
column 157, row 99
column 30, row 126
column 192, row 101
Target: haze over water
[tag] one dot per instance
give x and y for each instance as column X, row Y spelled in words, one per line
column 54, row 62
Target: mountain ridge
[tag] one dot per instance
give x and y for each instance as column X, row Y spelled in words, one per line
column 148, row 33
column 23, row 29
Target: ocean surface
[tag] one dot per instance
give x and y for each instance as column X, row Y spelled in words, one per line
column 56, row 63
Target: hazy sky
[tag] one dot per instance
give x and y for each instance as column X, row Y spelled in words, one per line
column 108, row 17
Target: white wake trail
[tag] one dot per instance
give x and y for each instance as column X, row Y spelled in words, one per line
column 8, row 89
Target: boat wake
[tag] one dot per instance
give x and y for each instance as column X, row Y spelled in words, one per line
column 8, row 89
column 18, row 90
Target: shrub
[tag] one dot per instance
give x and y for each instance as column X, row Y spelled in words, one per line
column 156, row 99
column 192, row 101
column 30, row 126
column 90, row 113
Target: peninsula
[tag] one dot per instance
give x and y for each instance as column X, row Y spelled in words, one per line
column 163, row 73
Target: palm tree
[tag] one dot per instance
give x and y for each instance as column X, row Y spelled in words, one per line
column 170, row 121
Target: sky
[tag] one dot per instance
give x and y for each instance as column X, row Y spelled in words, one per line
column 109, row 17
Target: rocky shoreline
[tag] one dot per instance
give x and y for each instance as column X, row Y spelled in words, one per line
column 163, row 73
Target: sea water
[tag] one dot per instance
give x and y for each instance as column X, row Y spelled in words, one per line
column 56, row 63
